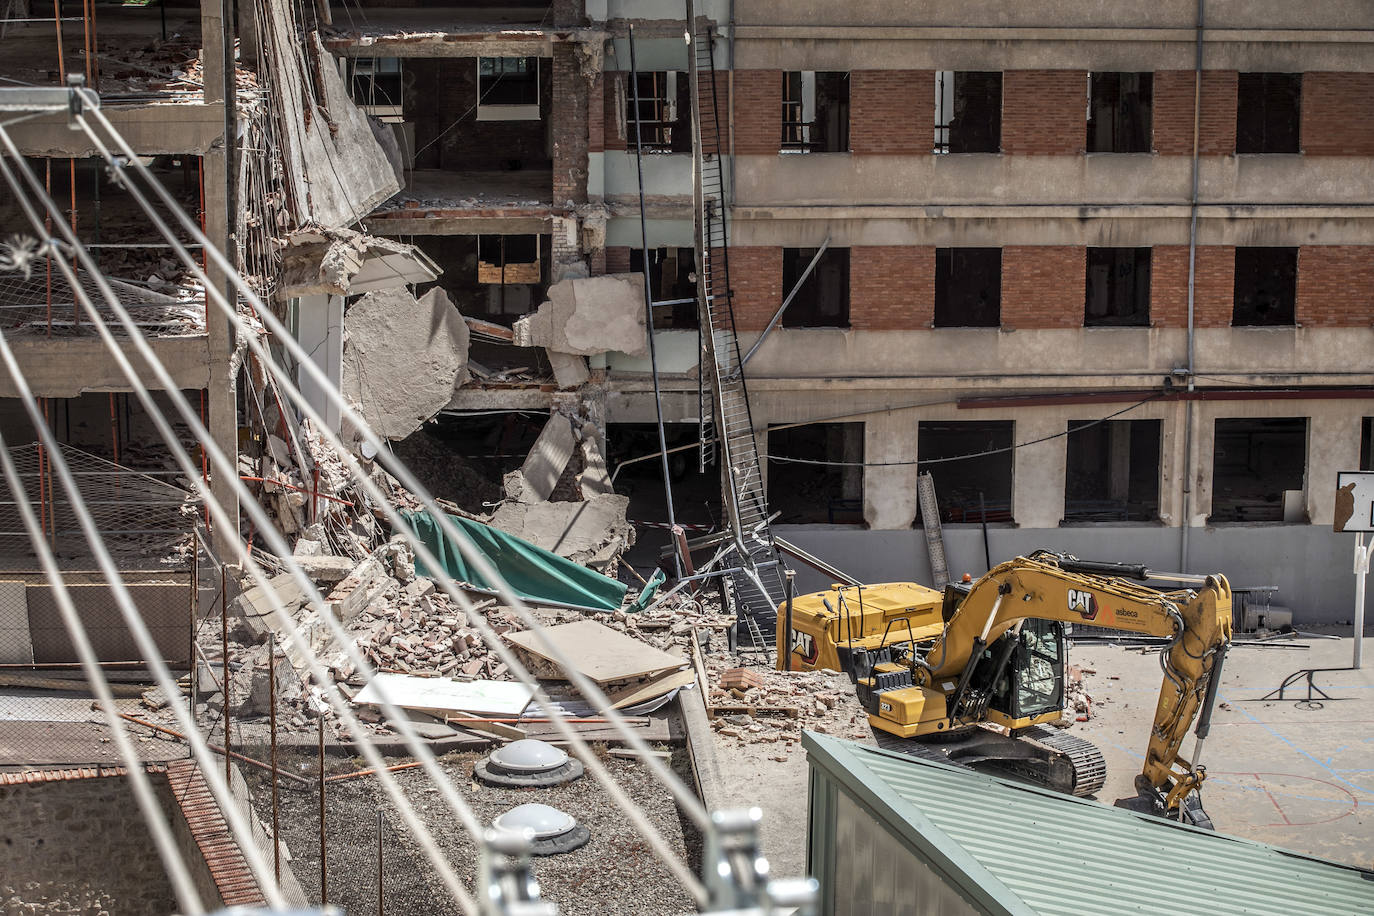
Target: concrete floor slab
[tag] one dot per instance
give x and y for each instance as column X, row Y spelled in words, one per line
column 1289, row 773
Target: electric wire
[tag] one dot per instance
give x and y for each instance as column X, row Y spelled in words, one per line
column 783, row 459
column 589, row 690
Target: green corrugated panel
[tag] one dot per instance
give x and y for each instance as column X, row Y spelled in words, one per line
column 1016, row 848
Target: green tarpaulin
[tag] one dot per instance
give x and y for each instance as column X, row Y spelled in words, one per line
column 532, row 573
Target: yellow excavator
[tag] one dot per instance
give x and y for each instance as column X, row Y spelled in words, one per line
column 973, row 674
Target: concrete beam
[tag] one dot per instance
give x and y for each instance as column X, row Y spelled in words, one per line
column 448, row 44
column 463, row 222
column 66, row 367
column 193, row 128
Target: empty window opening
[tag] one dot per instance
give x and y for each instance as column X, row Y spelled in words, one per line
column 696, row 495
column 1266, row 291
column 1258, row 469
column 671, row 284
column 968, row 287
column 664, row 111
column 1268, row 109
column 815, row 112
column 823, row 299
column 830, row 493
column 1112, row 471
column 471, row 275
column 1118, row 288
column 1119, row 112
column 968, row 111
column 377, row 84
column 508, row 259
column 971, row 487
column 508, row 89
column 1367, row 444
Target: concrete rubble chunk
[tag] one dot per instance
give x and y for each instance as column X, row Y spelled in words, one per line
column 569, row 371
column 595, row 479
column 403, row 358
column 576, row 530
column 317, row 261
column 547, row 458
column 589, row 315
column 324, row 569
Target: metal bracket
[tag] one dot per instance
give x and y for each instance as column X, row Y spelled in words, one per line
column 506, row 882
column 737, row 873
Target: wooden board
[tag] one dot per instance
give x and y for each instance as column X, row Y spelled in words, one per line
column 442, row 696
column 657, row 687
column 597, row 651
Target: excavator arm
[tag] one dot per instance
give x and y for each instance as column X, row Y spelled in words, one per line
column 1049, row 586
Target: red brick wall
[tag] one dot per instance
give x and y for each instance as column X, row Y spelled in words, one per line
column 1043, row 286
column 1338, row 114
column 891, row 111
column 1173, row 113
column 596, row 115
column 568, row 124
column 1213, row 292
column 1044, row 112
column 1336, row 286
column 891, row 287
column 617, row 259
column 613, row 110
column 756, row 277
column 758, row 113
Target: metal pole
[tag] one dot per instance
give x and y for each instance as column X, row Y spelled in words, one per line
column 987, row 549
column 785, row 653
column 649, row 300
column 272, row 725
column 1361, row 571
column 777, row 316
column 191, row 636
column 324, row 861
column 224, row 668
column 381, row 911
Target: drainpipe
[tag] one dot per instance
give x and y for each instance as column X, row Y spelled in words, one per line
column 1192, row 287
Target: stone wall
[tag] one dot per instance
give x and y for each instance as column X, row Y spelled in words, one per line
column 78, row 846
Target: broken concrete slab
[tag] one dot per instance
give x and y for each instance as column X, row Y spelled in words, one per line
column 259, row 602
column 324, row 569
column 589, row 315
column 547, row 459
column 335, row 169
column 403, row 358
column 569, row 371
column 595, row 480
column 578, row 531
column 359, row 589
column 341, row 261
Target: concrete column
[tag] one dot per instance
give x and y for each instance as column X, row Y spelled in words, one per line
column 1038, row 470
column 221, row 399
column 1333, row 444
column 320, row 324
column 1171, row 464
column 890, row 492
column 1201, row 461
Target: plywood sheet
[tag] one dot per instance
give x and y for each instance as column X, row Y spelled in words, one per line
column 597, row 651
column 655, row 687
column 441, row 695
column 164, row 607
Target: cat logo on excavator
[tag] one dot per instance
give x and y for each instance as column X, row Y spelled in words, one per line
column 1082, row 601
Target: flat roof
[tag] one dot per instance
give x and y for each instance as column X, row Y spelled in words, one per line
column 1021, row 849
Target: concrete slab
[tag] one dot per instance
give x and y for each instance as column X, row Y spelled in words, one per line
column 589, row 315
column 1296, row 775
column 547, row 458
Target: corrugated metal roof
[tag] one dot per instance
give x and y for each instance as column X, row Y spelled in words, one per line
column 1022, row 849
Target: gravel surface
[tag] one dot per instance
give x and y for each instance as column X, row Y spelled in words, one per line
column 616, row 872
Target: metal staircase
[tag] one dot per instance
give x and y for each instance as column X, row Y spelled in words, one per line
column 757, row 581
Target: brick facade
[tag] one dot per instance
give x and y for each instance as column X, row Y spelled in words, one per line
column 1213, row 292
column 1043, row 286
column 1173, row 113
column 568, row 123
column 756, row 277
column 891, row 112
column 758, row 112
column 1338, row 114
column 1044, row 112
column 1336, row 286
column 617, row 259
column 891, row 287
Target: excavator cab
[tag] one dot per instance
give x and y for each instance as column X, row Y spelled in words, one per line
column 1030, row 689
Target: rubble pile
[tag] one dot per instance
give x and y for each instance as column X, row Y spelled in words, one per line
column 784, row 703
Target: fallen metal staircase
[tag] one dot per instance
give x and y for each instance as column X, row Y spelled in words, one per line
column 757, row 579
